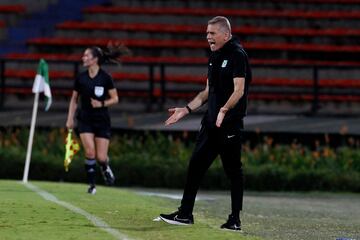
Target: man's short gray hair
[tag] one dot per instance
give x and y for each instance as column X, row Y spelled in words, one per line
column 222, row 21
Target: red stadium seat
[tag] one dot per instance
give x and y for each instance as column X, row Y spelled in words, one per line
column 125, row 59
column 254, row 13
column 17, row 9
column 47, row 56
column 15, row 73
column 199, row 29
column 149, row 43
column 180, row 60
column 28, row 91
column 197, row 79
column 171, row 43
column 154, row 27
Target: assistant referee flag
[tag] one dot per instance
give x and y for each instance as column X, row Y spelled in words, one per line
column 42, row 83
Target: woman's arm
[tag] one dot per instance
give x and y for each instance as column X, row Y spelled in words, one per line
column 108, row 102
column 72, row 110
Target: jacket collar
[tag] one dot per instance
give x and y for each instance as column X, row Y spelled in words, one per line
column 230, row 45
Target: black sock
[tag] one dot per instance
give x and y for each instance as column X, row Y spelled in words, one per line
column 236, row 215
column 90, row 167
column 103, row 165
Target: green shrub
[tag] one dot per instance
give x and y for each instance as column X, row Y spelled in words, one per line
column 160, row 160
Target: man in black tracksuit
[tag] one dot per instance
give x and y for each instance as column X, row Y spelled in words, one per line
column 226, row 92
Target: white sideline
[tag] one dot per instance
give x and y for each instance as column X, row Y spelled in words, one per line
column 95, row 220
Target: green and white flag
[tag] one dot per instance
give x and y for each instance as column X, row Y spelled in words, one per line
column 42, row 83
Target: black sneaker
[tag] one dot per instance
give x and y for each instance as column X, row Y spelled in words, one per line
column 108, row 175
column 177, row 218
column 232, row 223
column 92, row 190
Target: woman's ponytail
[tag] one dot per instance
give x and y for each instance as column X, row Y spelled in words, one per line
column 112, row 53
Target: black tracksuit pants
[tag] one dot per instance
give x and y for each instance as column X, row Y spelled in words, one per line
column 210, row 143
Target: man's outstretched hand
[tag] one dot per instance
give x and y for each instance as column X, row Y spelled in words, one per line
column 176, row 115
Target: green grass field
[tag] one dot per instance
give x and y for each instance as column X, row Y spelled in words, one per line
column 24, row 214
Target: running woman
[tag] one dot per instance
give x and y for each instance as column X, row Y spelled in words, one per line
column 96, row 91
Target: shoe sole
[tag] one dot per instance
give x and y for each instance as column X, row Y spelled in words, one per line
column 174, row 222
column 92, row 192
column 232, row 230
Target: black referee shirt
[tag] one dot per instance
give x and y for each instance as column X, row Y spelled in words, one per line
column 224, row 65
column 96, row 88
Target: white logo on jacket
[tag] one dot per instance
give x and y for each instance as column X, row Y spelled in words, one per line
column 224, row 63
column 99, row 91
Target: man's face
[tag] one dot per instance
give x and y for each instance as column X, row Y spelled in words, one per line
column 216, row 37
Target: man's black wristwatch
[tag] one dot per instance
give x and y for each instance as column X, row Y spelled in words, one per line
column 188, row 108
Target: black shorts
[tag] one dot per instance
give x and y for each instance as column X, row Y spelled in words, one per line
column 100, row 130
column 95, row 121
